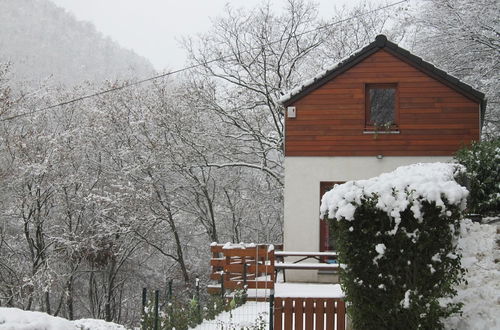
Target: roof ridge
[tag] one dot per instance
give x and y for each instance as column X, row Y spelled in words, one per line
column 381, row 42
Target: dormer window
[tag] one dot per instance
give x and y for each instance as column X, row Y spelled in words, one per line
column 381, row 105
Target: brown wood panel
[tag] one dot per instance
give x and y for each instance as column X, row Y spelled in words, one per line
column 352, row 91
column 340, row 315
column 372, row 153
column 248, row 252
column 366, row 148
column 288, row 311
column 320, row 314
column 395, row 75
column 299, row 313
column 438, row 99
column 238, row 268
column 309, row 311
column 330, row 314
column 215, row 276
column 381, row 137
column 367, row 145
column 237, row 283
column 278, row 314
column 326, row 123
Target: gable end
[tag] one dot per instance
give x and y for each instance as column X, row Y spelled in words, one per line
column 381, row 42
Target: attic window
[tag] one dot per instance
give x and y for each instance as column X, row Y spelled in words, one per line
column 381, row 105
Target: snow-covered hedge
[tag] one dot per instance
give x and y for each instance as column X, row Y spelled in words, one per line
column 396, row 234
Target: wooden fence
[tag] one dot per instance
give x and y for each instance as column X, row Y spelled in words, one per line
column 309, row 314
column 250, row 266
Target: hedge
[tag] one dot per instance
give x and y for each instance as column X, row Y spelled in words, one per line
column 396, row 237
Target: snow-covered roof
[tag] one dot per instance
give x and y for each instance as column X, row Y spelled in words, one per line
column 359, row 55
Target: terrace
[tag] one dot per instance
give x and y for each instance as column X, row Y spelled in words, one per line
column 261, row 269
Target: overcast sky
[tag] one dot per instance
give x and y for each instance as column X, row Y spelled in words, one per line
column 152, row 28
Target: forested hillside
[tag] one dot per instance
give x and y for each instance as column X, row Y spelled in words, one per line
column 41, row 40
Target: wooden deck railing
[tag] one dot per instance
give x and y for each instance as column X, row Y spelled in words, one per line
column 309, row 313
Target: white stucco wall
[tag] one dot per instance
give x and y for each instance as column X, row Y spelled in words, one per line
column 302, row 179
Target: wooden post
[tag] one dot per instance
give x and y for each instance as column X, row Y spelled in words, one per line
column 330, row 314
column 340, row 315
column 309, row 313
column 299, row 313
column 289, row 313
column 320, row 314
column 278, row 314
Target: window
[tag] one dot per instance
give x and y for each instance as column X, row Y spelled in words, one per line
column 326, row 242
column 381, row 105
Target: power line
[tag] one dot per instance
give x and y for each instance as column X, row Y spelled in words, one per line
column 187, row 68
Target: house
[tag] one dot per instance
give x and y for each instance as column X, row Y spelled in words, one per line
column 379, row 109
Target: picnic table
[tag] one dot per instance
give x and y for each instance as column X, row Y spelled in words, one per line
column 298, row 264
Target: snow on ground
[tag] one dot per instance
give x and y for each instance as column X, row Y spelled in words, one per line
column 92, row 324
column 17, row 319
column 250, row 314
column 308, row 290
column 481, row 296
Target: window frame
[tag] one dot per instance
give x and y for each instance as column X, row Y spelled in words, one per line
column 369, row 126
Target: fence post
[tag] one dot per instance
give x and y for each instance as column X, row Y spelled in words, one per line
column 198, row 302
column 271, row 310
column 157, row 295
column 144, row 302
column 222, row 284
column 245, row 275
column 170, row 289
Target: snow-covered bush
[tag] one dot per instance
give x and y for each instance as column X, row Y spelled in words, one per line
column 482, row 176
column 396, row 235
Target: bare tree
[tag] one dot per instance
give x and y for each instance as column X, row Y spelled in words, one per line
column 463, row 38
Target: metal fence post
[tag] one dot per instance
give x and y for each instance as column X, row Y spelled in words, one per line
column 170, row 289
column 222, row 284
column 271, row 310
column 157, row 295
column 198, row 302
column 245, row 275
column 144, row 302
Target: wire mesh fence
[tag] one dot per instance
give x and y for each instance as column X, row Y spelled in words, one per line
column 229, row 310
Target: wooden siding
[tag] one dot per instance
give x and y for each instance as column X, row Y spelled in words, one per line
column 433, row 119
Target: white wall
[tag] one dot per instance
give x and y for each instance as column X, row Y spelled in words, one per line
column 302, row 179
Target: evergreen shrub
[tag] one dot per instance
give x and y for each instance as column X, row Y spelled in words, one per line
column 482, row 176
column 396, row 237
column 183, row 315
